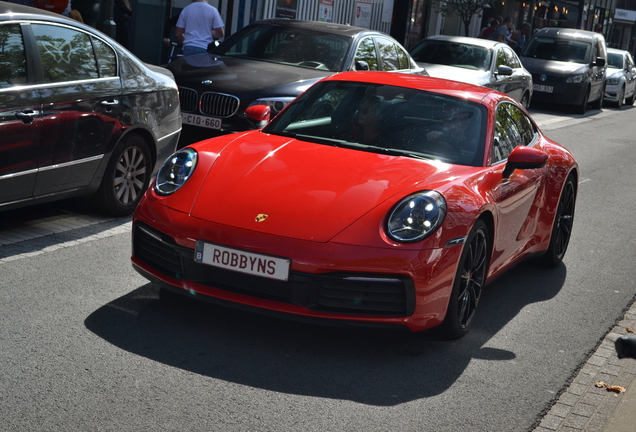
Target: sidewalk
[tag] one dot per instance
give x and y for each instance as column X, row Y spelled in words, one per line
column 586, row 407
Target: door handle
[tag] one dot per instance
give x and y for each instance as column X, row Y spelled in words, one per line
column 112, row 102
column 27, row 116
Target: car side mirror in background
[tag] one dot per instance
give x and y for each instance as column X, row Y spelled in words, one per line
column 362, row 66
column 524, row 158
column 259, row 114
column 504, row 70
column 600, row 62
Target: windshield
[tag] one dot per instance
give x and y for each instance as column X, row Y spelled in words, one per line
column 388, row 120
column 452, row 54
column 614, row 61
column 558, row 50
column 286, row 45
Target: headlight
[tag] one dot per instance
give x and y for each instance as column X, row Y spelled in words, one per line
column 613, row 81
column 575, row 79
column 416, row 217
column 276, row 104
column 175, row 171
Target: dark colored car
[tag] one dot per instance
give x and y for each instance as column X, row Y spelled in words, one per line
column 79, row 115
column 475, row 61
column 568, row 66
column 271, row 62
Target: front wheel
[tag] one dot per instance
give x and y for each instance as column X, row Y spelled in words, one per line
column 126, row 177
column 583, row 106
column 621, row 98
column 562, row 226
column 525, row 101
column 469, row 283
column 598, row 104
column 630, row 100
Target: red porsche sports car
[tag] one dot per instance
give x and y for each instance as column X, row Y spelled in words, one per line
column 374, row 198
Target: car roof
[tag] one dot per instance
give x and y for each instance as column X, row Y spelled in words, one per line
column 617, row 51
column 486, row 43
column 325, row 27
column 466, row 91
column 568, row 33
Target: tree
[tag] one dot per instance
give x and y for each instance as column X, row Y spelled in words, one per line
column 465, row 9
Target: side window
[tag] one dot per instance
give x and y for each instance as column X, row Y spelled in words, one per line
column 66, row 55
column 388, row 54
column 106, row 59
column 501, row 58
column 508, row 132
column 511, row 58
column 366, row 53
column 403, row 58
column 12, row 58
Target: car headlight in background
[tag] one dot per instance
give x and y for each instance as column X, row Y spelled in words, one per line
column 175, row 171
column 575, row 79
column 613, row 81
column 416, row 217
column 276, row 104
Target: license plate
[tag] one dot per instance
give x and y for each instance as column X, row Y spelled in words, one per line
column 242, row 261
column 201, row 121
column 542, row 88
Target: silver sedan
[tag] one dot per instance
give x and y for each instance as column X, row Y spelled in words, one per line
column 620, row 86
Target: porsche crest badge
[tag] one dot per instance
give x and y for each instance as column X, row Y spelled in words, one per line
column 261, row 217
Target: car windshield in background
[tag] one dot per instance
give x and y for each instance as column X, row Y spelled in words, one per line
column 288, row 45
column 387, row 120
column 452, row 54
column 558, row 50
column 614, row 61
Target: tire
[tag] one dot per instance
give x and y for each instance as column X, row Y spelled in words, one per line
column 583, row 106
column 469, row 283
column 126, row 177
column 562, row 226
column 598, row 104
column 630, row 100
column 525, row 101
column 621, row 98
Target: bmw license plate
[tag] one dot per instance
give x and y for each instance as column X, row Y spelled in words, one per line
column 242, row 261
column 201, row 121
column 542, row 88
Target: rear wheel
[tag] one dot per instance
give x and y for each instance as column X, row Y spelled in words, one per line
column 562, row 226
column 126, row 177
column 469, row 283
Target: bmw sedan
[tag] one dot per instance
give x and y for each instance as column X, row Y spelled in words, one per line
column 271, row 62
column 475, row 61
column 79, row 115
column 620, row 86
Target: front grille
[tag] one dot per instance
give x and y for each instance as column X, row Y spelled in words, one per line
column 219, row 104
column 357, row 294
column 189, row 99
column 536, row 79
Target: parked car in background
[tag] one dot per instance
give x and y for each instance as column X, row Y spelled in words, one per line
column 271, row 62
column 373, row 199
column 79, row 115
column 621, row 77
column 568, row 66
column 476, row 61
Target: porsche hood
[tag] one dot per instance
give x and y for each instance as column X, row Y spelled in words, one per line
column 303, row 190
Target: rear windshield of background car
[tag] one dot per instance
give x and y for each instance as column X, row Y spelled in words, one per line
column 286, row 45
column 558, row 50
column 452, row 54
column 387, row 119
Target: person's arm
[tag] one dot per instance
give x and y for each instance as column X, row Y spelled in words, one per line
column 179, row 33
column 218, row 33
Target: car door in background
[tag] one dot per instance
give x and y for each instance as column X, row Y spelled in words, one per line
column 81, row 94
column 513, row 85
column 20, row 119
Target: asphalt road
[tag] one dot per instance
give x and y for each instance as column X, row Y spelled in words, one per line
column 85, row 344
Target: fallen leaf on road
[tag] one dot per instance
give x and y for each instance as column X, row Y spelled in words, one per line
column 629, row 329
column 614, row 388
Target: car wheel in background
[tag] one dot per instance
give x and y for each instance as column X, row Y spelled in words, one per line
column 583, row 106
column 469, row 283
column 621, row 98
column 525, row 101
column 562, row 226
column 630, row 100
column 126, row 178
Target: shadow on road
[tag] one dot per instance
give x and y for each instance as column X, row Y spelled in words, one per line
column 369, row 366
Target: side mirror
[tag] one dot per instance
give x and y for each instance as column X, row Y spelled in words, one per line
column 504, row 70
column 259, row 114
column 524, row 158
column 600, row 62
column 362, row 66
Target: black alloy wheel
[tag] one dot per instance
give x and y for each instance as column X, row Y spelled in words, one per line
column 126, row 178
column 525, row 101
column 598, row 103
column 583, row 106
column 562, row 226
column 469, row 283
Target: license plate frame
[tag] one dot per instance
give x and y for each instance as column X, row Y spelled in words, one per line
column 542, row 88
